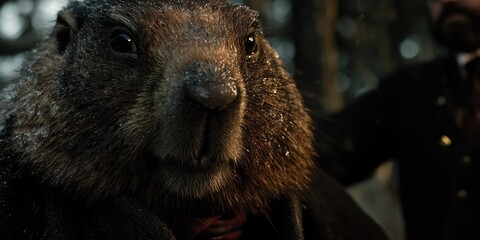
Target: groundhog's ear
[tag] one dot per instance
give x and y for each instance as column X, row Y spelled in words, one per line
column 65, row 29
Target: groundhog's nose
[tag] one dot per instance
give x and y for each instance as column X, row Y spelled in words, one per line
column 210, row 86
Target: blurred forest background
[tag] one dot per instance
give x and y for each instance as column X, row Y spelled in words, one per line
column 336, row 49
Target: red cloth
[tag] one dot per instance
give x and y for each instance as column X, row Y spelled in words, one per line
column 211, row 228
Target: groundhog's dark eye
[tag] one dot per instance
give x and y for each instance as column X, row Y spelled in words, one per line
column 251, row 45
column 122, row 43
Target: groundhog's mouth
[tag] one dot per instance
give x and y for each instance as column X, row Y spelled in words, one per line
column 193, row 178
column 201, row 164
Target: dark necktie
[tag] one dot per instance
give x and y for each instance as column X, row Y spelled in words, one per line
column 471, row 120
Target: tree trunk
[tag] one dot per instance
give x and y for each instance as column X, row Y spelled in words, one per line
column 316, row 54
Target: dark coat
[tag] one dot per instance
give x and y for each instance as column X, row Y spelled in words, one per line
column 31, row 209
column 408, row 119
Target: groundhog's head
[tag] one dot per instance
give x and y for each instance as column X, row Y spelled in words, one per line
column 178, row 103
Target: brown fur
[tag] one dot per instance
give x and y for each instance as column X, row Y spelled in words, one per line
column 90, row 122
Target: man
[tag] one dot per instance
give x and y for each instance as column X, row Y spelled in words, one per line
column 427, row 117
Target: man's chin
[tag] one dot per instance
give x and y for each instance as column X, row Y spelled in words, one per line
column 458, row 38
column 462, row 47
column 458, row 32
column 465, row 44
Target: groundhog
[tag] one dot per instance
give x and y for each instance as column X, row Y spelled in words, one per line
column 163, row 119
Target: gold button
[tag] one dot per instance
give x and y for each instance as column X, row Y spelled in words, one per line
column 462, row 194
column 467, row 160
column 445, row 141
column 441, row 101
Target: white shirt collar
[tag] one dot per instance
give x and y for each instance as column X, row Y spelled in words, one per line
column 464, row 58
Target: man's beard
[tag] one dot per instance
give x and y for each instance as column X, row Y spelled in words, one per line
column 460, row 36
